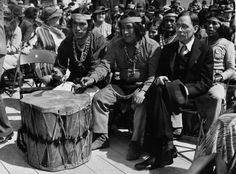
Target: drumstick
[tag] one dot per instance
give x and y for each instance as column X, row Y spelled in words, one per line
column 64, row 80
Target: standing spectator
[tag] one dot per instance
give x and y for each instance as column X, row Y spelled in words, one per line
column 100, row 23
column 6, row 131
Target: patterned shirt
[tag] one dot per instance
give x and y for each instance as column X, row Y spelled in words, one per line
column 224, row 58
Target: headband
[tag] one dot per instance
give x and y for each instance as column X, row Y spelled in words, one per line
column 80, row 16
column 131, row 20
column 170, row 15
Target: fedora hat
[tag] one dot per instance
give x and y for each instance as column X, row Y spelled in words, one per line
column 176, row 95
column 100, row 9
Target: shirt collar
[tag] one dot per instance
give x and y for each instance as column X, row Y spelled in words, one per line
column 189, row 45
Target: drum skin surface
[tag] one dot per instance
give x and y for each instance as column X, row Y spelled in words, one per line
column 56, row 129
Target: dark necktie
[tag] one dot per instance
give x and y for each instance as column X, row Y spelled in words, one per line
column 183, row 51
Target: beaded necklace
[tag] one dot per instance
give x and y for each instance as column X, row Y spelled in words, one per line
column 133, row 60
column 84, row 51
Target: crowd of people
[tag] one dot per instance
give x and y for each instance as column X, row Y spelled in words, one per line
column 159, row 57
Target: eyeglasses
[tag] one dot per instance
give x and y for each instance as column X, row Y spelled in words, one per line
column 183, row 27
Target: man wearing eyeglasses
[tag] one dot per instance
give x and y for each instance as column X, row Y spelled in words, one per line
column 189, row 61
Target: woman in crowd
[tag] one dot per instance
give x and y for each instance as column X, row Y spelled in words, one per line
column 47, row 36
column 100, row 23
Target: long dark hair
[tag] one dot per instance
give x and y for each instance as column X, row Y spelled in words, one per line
column 139, row 28
column 223, row 31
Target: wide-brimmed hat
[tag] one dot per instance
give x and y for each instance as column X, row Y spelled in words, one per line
column 100, row 9
column 177, row 95
column 50, row 12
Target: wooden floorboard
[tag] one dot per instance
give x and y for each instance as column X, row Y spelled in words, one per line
column 3, row 169
column 80, row 170
column 107, row 161
column 100, row 165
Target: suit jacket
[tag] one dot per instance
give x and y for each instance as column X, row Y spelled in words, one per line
column 199, row 74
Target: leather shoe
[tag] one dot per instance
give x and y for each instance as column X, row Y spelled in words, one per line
column 174, row 152
column 148, row 164
column 101, row 142
column 167, row 156
column 5, row 139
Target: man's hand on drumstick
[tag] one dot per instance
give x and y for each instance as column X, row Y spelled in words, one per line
column 87, row 81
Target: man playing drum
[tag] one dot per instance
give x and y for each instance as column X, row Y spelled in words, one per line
column 80, row 52
column 134, row 56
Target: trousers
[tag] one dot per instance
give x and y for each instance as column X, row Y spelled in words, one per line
column 107, row 97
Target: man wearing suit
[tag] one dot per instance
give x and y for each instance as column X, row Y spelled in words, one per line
column 188, row 60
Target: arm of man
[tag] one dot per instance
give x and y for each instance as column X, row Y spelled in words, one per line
column 206, row 75
column 230, row 61
column 61, row 61
column 152, row 65
column 101, row 61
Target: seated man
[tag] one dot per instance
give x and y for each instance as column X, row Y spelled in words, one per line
column 188, row 61
column 134, row 56
column 80, row 52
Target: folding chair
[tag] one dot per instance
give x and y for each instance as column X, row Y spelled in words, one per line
column 201, row 133
column 35, row 56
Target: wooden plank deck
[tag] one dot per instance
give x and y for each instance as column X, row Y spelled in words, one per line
column 107, row 161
